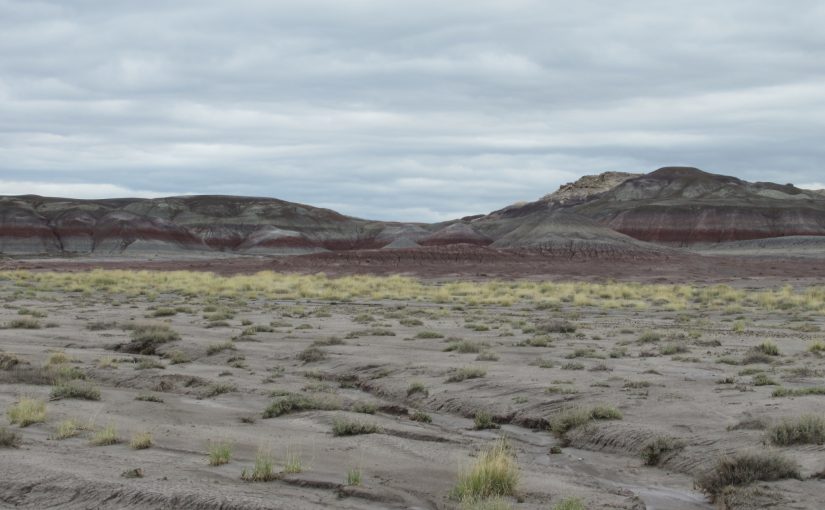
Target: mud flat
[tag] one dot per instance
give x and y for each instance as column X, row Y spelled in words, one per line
column 378, row 392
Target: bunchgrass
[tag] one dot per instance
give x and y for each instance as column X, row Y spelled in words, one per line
column 807, row 429
column 219, row 452
column 264, row 469
column 296, row 402
column 354, row 477
column 464, row 373
column 9, row 438
column 105, row 436
column 493, row 474
column 27, row 411
column 348, row 427
column 141, row 440
column 76, row 389
column 747, row 467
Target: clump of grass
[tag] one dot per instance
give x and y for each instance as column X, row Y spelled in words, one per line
column 493, row 474
column 141, row 440
column 219, row 452
column 798, row 392
column 24, row 323
column 215, row 389
column 295, row 403
column 484, row 420
column 768, row 348
column 312, row 354
column 67, row 428
column 263, row 471
column 417, row 387
column 9, row 361
column 27, row 411
column 807, row 429
column 569, row 504
column 569, row 419
column 817, row 347
column 146, row 397
column 747, row 467
column 421, row 416
column 146, row 338
column 653, row 451
column 573, row 365
column 9, row 438
column 105, row 436
column 556, row 326
column 354, row 477
column 220, row 347
column 649, row 337
column 346, row 427
column 323, row 342
column 177, row 357
column 365, row 407
column 467, row 373
column 164, row 312
column 487, row 356
column 77, row 389
column 57, row 358
column 464, row 347
column 424, row 335
column 293, row 463
column 147, row 363
column 763, row 380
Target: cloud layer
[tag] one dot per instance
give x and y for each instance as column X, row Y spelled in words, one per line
column 402, row 110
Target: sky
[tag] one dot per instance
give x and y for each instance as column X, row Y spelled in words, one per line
column 403, row 110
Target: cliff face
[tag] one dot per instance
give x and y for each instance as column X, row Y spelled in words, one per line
column 685, row 206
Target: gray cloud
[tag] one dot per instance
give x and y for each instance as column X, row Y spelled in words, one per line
column 403, row 110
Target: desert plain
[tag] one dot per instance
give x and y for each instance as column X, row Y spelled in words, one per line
column 173, row 389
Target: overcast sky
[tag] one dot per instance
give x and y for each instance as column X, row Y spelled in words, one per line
column 414, row 110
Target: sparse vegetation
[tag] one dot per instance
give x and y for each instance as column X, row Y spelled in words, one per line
column 464, row 373
column 105, row 436
column 141, row 440
column 807, row 429
column 146, row 338
column 27, row 411
column 264, row 469
column 77, row 389
column 347, row 427
column 295, row 403
column 9, row 438
column 747, row 467
column 494, row 473
column 656, row 448
column 219, row 452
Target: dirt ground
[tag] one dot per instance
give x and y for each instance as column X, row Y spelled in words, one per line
column 677, row 374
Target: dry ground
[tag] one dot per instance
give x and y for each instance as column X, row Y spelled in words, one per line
column 685, row 373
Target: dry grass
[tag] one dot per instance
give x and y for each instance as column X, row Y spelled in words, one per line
column 494, row 473
column 141, row 440
column 105, row 436
column 27, row 411
column 219, row 452
column 264, row 469
column 9, row 438
column 745, row 468
column 807, row 429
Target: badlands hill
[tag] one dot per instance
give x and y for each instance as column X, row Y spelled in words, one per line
column 608, row 215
